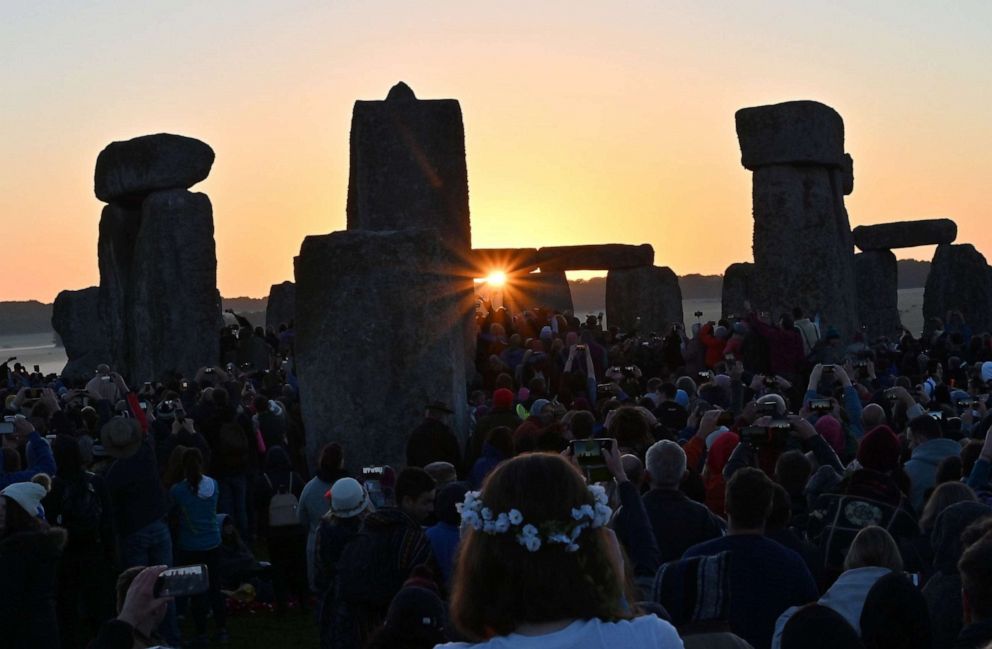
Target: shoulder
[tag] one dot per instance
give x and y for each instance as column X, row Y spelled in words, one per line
column 647, row 630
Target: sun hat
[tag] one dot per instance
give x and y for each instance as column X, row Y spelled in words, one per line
column 121, row 437
column 348, row 498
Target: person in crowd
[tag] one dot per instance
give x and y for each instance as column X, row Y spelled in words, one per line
column 389, row 545
column 497, row 448
column 765, row 577
column 235, row 559
column 278, row 502
column 445, row 534
column 929, row 447
column 198, row 541
column 815, row 626
column 29, row 557
column 975, row 567
column 502, row 414
column 35, row 448
column 314, row 503
column 894, row 615
column 538, row 565
column 433, row 440
column 231, row 443
column 678, row 522
column 416, row 619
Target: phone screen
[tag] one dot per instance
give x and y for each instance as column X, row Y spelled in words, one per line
column 6, row 427
column 182, row 581
column 589, row 454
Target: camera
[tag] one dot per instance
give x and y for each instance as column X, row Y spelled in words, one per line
column 820, row 405
column 698, row 314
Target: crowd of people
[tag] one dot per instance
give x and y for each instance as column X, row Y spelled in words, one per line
column 754, row 484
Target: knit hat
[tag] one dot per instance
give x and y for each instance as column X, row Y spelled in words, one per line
column 682, row 398
column 28, row 495
column 502, row 399
column 537, row 408
column 417, row 614
column 121, row 437
column 879, row 450
column 348, row 498
column 831, row 430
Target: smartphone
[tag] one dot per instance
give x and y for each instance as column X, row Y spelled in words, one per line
column 757, row 436
column 820, row 405
column 589, row 454
column 6, row 427
column 372, row 481
column 37, row 369
column 182, row 581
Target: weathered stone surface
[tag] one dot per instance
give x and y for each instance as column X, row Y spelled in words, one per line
column 959, row 280
column 76, row 319
column 877, row 276
column 508, row 260
column 408, row 167
column 363, row 330
column 115, row 249
column 606, row 256
column 650, row 293
column 803, row 253
column 791, row 133
column 173, row 314
column 736, row 289
column 128, row 171
column 547, row 289
column 281, row 305
column 905, row 234
column 847, row 174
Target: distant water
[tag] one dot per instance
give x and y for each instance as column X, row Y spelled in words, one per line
column 39, row 348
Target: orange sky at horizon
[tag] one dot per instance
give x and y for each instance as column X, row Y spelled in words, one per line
column 585, row 123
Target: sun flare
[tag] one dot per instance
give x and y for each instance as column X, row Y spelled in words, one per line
column 496, row 278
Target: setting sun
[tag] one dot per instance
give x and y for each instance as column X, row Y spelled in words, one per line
column 496, row 278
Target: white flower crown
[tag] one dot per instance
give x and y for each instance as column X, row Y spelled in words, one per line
column 482, row 519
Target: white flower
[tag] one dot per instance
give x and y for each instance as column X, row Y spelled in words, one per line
column 532, row 543
column 603, row 514
column 516, row 518
column 576, row 531
column 502, row 523
column 487, row 514
column 580, row 513
column 571, row 547
column 529, row 531
column 599, row 494
column 559, row 538
column 472, row 519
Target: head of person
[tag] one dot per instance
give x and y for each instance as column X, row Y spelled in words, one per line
column 501, row 439
column 749, row 500
column 415, row 620
column 975, row 568
column 873, row 547
column 446, row 503
column 538, row 569
column 665, row 464
column 502, row 399
column 819, row 627
column 873, row 415
column 895, row 615
column 944, row 496
column 415, row 491
column 348, row 499
column 331, row 459
column 193, row 468
column 922, row 429
column 879, row 450
column 792, row 471
column 20, row 508
column 629, row 427
column 582, row 424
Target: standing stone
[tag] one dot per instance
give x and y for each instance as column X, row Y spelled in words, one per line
column 408, row 167
column 397, row 329
column 847, row 174
column 736, row 289
column 115, row 249
column 128, row 171
column 803, row 252
column 174, row 315
column 76, row 319
column 605, row 256
column 877, row 275
column 549, row 290
column 651, row 293
column 905, row 234
column 959, row 280
column 281, row 305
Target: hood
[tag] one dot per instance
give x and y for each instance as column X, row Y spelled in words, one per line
column 277, row 459
column 946, row 535
column 935, row 450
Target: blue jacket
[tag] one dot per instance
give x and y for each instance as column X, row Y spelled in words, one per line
column 922, row 466
column 198, row 527
column 444, row 543
column 40, row 460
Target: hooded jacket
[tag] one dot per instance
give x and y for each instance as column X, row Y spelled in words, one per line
column 922, row 466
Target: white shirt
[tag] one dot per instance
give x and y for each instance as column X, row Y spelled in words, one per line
column 646, row 632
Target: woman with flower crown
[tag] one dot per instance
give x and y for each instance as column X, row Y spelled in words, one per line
column 539, row 568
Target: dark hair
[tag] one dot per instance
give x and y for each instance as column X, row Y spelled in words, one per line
column 412, row 482
column 815, row 626
column 792, row 470
column 749, row 497
column 975, row 567
column 895, row 615
column 193, row 468
column 501, row 439
column 503, row 380
column 781, row 512
column 19, row 520
column 220, row 396
column 629, row 427
column 11, row 461
column 331, row 457
column 925, row 426
column 582, row 424
column 498, row 584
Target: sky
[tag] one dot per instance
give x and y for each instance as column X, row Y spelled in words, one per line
column 585, row 122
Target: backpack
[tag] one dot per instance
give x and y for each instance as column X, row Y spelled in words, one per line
column 283, row 505
column 82, row 509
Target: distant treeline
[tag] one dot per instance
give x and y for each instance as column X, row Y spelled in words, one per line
column 588, row 296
